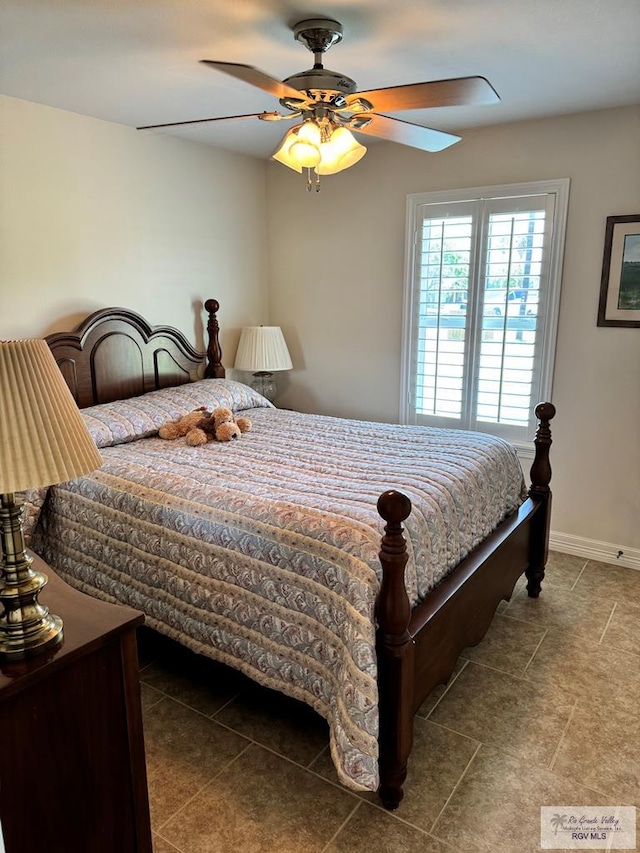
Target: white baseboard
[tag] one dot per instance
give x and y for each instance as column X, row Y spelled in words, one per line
column 591, row 549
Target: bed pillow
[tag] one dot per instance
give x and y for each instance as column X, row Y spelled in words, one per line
column 140, row 417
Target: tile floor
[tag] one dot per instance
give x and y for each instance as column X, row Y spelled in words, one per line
column 545, row 711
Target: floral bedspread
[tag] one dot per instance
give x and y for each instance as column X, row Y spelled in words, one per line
column 263, row 552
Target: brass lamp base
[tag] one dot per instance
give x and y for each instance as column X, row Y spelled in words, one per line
column 24, row 644
column 26, row 626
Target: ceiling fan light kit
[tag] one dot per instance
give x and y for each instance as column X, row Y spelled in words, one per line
column 321, row 149
column 331, row 106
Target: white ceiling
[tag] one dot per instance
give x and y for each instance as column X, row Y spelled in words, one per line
column 136, row 61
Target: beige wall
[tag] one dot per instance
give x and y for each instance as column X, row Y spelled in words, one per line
column 94, row 214
column 336, row 279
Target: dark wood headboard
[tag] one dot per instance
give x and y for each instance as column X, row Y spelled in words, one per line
column 115, row 354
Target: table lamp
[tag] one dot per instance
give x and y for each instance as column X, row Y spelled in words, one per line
column 263, row 350
column 43, row 440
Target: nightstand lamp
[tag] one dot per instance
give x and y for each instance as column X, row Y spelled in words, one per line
column 263, row 350
column 43, row 440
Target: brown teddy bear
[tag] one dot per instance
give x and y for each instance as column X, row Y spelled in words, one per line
column 226, row 426
column 181, row 427
column 202, row 426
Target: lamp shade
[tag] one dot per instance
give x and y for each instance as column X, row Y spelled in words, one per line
column 262, row 348
column 43, row 438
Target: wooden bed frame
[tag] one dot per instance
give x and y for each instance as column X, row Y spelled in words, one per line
column 115, row 354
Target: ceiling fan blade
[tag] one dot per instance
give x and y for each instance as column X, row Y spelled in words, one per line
column 437, row 93
column 265, row 116
column 396, row 130
column 256, row 78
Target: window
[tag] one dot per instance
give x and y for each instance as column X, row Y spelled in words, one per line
column 481, row 304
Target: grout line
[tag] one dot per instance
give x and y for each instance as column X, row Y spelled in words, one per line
column 203, row 787
column 455, row 788
column 447, row 687
column 613, row 610
column 519, row 676
column 535, row 652
column 573, row 585
column 562, row 736
column 342, row 826
column 319, row 755
column 497, row 746
column 460, row 734
column 225, row 705
column 166, row 841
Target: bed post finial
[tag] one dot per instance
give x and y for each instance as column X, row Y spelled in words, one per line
column 541, row 468
column 540, row 491
column 214, row 368
column 395, row 652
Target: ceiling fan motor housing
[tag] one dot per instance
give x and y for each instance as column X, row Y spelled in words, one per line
column 322, row 84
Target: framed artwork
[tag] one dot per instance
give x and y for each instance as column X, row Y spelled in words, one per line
column 620, row 286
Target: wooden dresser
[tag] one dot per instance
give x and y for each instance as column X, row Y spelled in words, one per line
column 72, row 766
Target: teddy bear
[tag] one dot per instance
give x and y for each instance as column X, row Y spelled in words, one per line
column 177, row 429
column 202, row 426
column 226, row 427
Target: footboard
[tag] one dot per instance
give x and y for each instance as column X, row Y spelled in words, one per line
column 418, row 649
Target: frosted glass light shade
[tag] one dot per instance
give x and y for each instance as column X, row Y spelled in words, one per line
column 43, row 438
column 341, row 151
column 306, row 149
column 283, row 154
column 303, row 147
column 262, row 348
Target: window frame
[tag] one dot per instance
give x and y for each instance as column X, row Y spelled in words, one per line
column 560, row 189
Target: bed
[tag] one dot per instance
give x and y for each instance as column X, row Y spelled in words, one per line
column 370, row 619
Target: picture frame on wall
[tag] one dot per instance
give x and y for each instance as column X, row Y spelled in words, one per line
column 620, row 285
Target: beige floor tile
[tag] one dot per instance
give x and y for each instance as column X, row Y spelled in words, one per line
column 508, row 645
column 438, row 760
column 149, row 696
column 623, row 631
column 579, row 613
column 562, row 570
column 261, row 803
column 496, row 806
column 213, row 791
column 601, row 748
column 608, row 581
column 370, row 830
column 614, row 849
column 286, row 726
column 496, row 708
column 438, row 692
column 587, row 671
column 162, row 846
column 184, row 751
column 196, row 681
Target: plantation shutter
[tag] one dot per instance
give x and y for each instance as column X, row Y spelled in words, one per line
column 480, row 309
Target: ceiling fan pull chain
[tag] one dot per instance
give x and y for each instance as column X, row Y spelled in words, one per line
column 309, row 185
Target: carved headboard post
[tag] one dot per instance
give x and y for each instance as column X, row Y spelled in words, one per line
column 214, row 368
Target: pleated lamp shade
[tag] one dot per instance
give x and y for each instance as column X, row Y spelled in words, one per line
column 43, row 438
column 262, row 348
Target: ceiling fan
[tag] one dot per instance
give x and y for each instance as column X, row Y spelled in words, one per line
column 331, row 107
